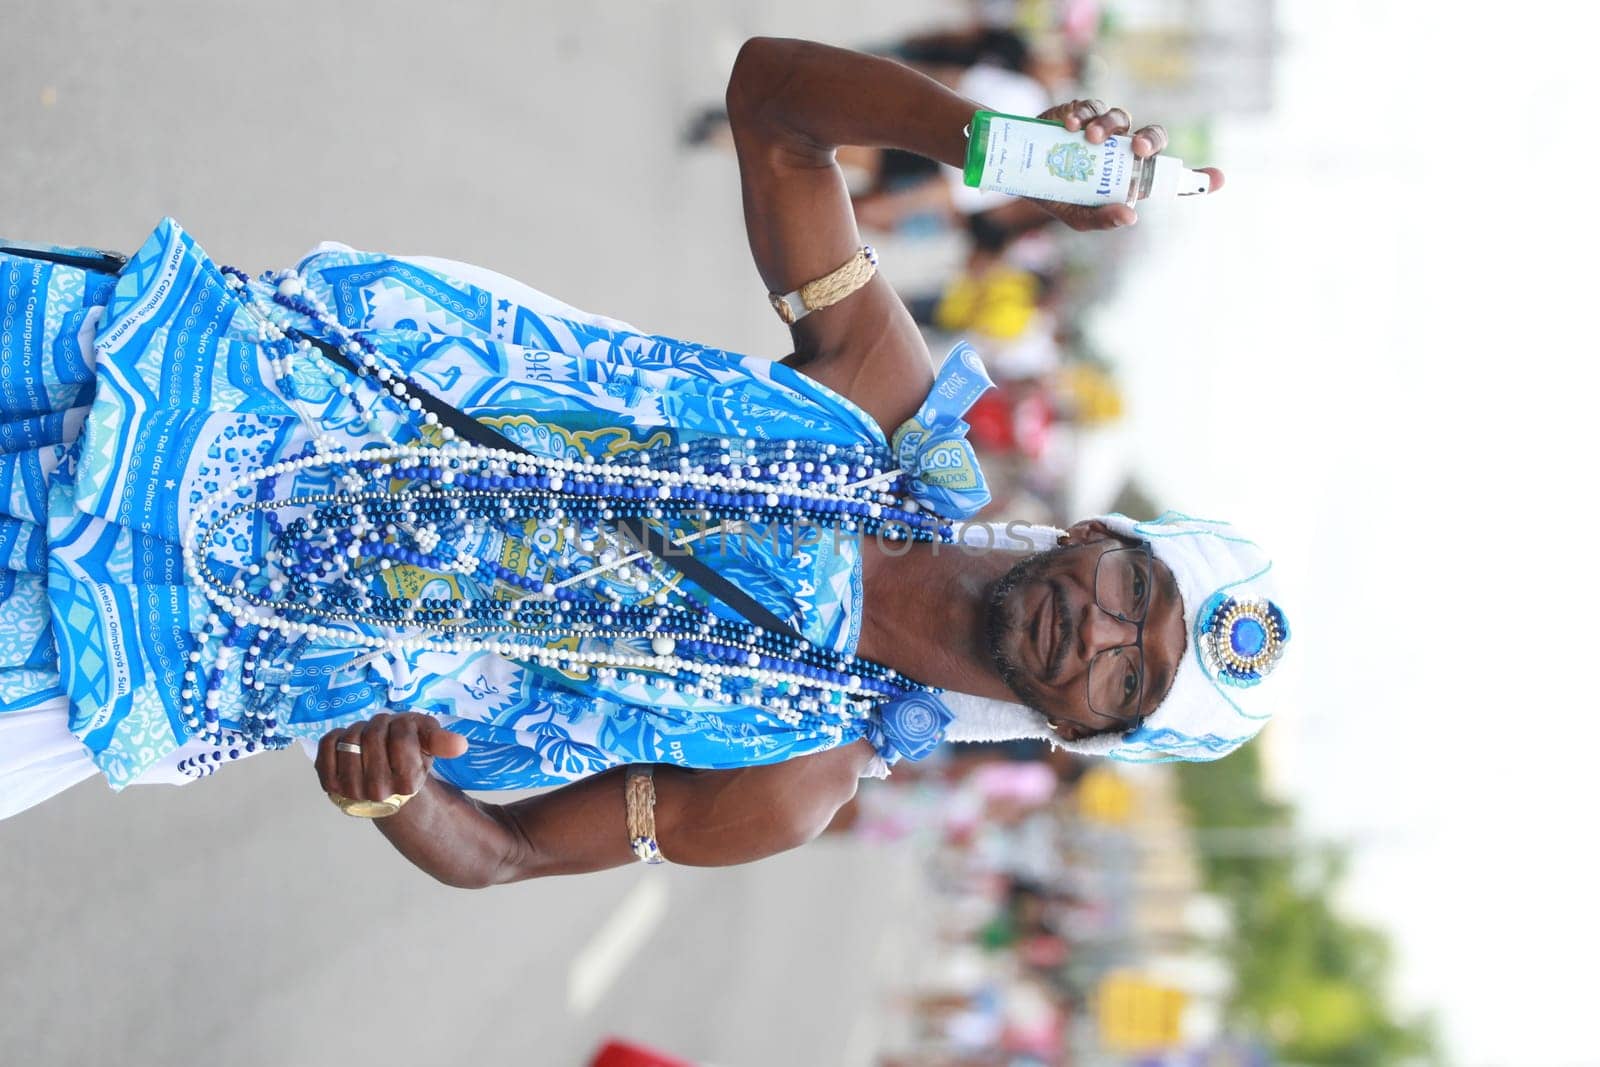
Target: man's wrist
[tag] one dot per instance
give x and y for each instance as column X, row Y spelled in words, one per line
column 416, row 805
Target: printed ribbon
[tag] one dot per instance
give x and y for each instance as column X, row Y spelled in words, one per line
column 931, row 446
column 915, row 723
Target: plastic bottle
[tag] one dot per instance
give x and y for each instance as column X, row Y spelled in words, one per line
column 1039, row 158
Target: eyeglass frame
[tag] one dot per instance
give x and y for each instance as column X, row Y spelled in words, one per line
column 1137, row 644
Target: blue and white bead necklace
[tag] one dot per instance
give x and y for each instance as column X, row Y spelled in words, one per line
column 424, row 505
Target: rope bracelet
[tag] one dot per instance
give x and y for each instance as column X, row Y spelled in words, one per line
column 639, row 792
column 834, row 286
column 827, row 290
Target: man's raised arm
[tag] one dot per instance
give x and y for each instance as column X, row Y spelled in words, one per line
column 790, row 104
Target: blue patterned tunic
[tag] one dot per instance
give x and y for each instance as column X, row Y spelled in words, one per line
column 128, row 400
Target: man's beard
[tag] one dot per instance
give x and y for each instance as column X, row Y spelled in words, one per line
column 1000, row 623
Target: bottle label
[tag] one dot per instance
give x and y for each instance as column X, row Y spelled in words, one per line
column 1026, row 157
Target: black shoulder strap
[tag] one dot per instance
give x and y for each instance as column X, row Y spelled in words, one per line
column 82, row 258
column 470, row 429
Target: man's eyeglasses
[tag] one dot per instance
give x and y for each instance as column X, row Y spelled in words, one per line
column 1123, row 578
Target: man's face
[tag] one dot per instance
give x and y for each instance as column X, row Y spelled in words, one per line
column 1045, row 627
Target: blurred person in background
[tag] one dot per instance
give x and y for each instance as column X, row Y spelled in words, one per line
column 980, row 62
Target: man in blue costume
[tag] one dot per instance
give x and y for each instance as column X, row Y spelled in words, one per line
column 269, row 528
column 1004, row 626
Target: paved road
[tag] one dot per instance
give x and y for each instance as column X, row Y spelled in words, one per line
column 242, row 921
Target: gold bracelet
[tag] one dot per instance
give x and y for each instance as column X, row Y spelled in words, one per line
column 371, row 809
column 639, row 791
column 827, row 290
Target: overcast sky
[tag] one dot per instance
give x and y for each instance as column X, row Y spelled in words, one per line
column 1375, row 350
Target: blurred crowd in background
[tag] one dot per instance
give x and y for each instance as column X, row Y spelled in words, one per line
column 1088, row 912
column 1069, row 922
column 1013, row 283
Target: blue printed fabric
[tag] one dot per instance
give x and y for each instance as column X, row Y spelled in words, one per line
column 127, row 400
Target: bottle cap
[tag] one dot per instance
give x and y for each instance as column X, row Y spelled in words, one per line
column 1173, row 179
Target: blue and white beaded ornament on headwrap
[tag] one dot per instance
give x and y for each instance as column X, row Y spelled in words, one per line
column 1241, row 640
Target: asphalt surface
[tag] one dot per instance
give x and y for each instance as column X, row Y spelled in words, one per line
column 242, row 920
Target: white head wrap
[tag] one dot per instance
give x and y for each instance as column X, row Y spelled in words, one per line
column 1236, row 634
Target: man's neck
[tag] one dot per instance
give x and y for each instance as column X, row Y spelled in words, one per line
column 924, row 613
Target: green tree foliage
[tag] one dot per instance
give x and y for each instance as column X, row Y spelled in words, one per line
column 1310, row 982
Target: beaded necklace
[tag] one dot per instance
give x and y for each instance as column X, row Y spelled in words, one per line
column 439, row 507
